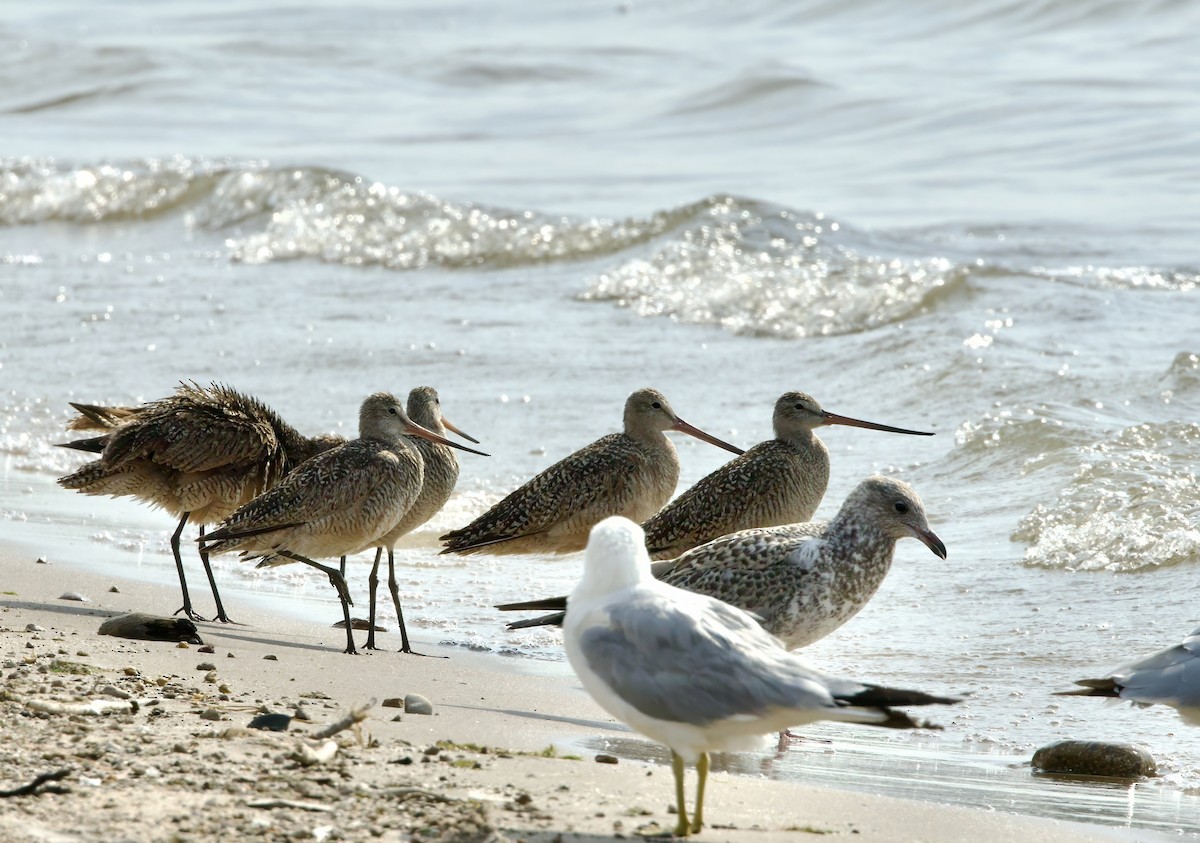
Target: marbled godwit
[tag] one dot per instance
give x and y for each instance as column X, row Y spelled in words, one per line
column 803, row 580
column 780, row 481
column 199, row 454
column 1170, row 677
column 694, row 673
column 631, row 473
column 339, row 502
column 441, row 473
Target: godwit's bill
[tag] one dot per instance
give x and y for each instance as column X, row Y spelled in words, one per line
column 690, row 430
column 833, row 418
column 411, row 427
column 453, row 429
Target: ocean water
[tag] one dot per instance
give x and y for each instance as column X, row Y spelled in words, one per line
column 977, row 219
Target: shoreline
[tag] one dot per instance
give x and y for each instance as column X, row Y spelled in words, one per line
column 478, row 703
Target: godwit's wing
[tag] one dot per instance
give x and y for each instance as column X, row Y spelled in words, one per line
column 761, row 488
column 559, row 505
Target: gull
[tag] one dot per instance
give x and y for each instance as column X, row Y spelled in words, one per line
column 1170, row 677
column 632, row 473
column 802, row 581
column 694, row 673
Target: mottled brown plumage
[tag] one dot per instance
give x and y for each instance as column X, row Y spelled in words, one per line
column 780, row 481
column 339, row 502
column 199, row 454
column 632, row 473
column 802, row 580
column 441, row 473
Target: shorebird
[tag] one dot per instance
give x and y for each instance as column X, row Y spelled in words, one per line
column 441, row 473
column 780, row 481
column 697, row 674
column 631, row 473
column 199, row 454
column 802, row 581
column 1170, row 677
column 339, row 502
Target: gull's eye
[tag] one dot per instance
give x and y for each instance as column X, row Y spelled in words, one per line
column 901, row 507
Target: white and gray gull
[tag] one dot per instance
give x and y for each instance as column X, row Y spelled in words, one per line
column 802, row 580
column 1170, row 677
column 780, row 481
column 695, row 673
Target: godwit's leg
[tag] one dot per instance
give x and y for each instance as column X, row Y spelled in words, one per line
column 342, row 567
column 221, row 616
column 394, row 587
column 186, row 608
column 339, row 583
column 373, row 583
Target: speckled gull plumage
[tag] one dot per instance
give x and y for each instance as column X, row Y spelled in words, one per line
column 780, row 481
column 632, row 473
column 695, row 673
column 1170, row 676
column 199, row 454
column 802, row 580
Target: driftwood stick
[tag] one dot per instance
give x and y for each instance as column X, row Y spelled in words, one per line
column 356, row 716
column 39, row 784
column 92, row 707
column 290, row 803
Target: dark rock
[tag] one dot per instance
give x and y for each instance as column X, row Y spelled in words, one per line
column 143, row 627
column 271, row 722
column 1095, row 758
column 358, row 623
column 605, row 758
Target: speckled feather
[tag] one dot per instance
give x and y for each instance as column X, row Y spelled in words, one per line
column 441, row 466
column 337, row 503
column 631, row 473
column 205, row 451
column 804, row 580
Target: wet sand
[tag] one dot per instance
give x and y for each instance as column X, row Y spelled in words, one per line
column 480, row 767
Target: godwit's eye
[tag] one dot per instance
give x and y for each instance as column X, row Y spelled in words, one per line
column 799, row 406
column 901, row 507
column 657, row 405
column 391, row 411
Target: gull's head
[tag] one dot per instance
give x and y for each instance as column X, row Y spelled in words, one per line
column 615, row 558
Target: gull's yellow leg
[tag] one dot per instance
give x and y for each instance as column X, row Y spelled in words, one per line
column 702, row 772
column 681, row 828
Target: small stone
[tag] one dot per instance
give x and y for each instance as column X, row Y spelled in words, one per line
column 394, row 702
column 417, row 704
column 399, row 718
column 224, row 689
column 42, row 560
column 211, row 677
column 75, row 596
column 114, row 590
column 207, row 648
column 272, row 722
column 130, row 671
column 161, row 681
column 183, row 645
column 1095, row 758
column 605, row 758
column 271, row 658
column 33, row 627
column 206, row 666
column 29, row 645
column 302, row 714
column 229, row 655
column 210, row 714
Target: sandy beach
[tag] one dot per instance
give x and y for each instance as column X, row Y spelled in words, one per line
column 488, row 764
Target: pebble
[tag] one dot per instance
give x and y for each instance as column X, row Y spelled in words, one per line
column 393, row 702
column 272, row 722
column 605, row 758
column 41, row 560
column 271, row 658
column 210, row 714
column 207, row 648
column 1095, row 758
column 114, row 590
column 74, row 595
column 417, row 704
column 206, row 666
column 33, row 627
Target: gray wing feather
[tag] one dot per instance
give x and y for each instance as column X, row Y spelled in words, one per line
column 696, row 668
